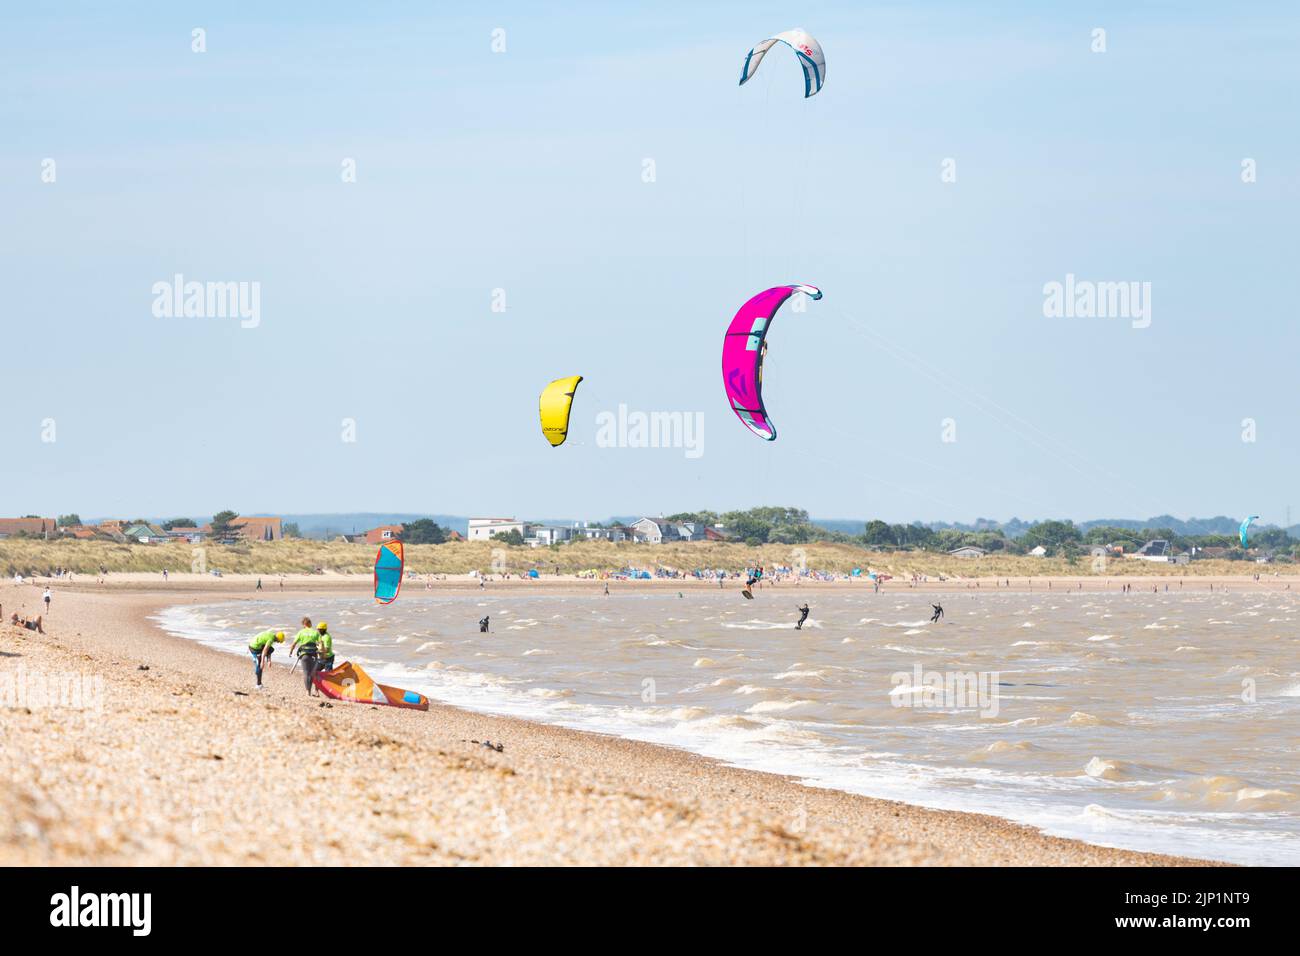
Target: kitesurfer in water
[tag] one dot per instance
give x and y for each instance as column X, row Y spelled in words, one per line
column 803, row 616
column 262, row 647
column 938, row 613
column 483, row 625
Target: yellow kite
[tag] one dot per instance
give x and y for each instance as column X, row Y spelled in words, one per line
column 556, row 401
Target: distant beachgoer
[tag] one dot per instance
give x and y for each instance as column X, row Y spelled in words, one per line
column 164, row 574
column 47, row 597
column 606, row 587
column 259, row 584
column 483, row 625
column 803, row 616
column 938, row 613
column 261, row 648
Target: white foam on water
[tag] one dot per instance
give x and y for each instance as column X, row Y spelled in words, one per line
column 834, row 726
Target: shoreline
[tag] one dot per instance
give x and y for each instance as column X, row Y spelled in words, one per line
column 185, row 765
column 351, row 583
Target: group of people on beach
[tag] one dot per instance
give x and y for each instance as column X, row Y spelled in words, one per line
column 37, row 623
column 313, row 647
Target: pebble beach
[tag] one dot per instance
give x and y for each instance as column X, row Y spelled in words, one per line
column 171, row 758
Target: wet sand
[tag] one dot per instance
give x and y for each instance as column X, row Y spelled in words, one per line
column 184, row 764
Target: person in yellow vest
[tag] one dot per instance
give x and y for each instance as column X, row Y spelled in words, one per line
column 262, row 647
column 306, row 645
column 325, row 655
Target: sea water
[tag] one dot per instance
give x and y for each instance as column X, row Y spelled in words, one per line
column 1165, row 722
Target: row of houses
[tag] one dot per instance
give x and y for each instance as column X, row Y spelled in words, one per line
column 1157, row 549
column 251, row 528
column 641, row 531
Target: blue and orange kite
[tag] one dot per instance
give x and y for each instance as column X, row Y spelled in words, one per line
column 388, row 571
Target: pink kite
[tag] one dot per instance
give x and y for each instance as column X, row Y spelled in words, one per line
column 742, row 356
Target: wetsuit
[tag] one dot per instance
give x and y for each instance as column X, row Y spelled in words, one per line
column 803, row 616
column 483, row 626
column 938, row 612
column 304, row 645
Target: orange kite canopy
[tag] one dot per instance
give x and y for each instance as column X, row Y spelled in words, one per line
column 349, row 682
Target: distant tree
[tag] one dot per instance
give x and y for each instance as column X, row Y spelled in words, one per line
column 877, row 534
column 426, row 531
column 746, row 526
column 177, row 523
column 290, row 530
column 511, row 537
column 1052, row 535
column 221, row 522
column 68, row 521
column 706, row 518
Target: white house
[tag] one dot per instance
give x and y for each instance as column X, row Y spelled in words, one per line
column 1156, row 549
column 1039, row 552
column 482, row 529
column 603, row 534
column 545, row 535
column 968, row 551
column 660, row 530
column 648, row 530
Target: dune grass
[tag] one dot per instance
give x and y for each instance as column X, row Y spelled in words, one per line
column 301, row 556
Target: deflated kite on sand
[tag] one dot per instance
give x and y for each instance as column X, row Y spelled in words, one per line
column 349, row 682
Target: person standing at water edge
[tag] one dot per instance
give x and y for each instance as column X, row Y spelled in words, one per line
column 48, row 594
column 262, row 647
column 304, row 645
column 326, row 660
column 803, row 616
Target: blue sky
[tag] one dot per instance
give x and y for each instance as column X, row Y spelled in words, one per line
column 522, row 171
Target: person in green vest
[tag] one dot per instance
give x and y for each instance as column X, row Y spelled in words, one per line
column 262, row 647
column 306, row 646
column 326, row 654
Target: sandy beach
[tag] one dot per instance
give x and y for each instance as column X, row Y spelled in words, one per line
column 181, row 763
